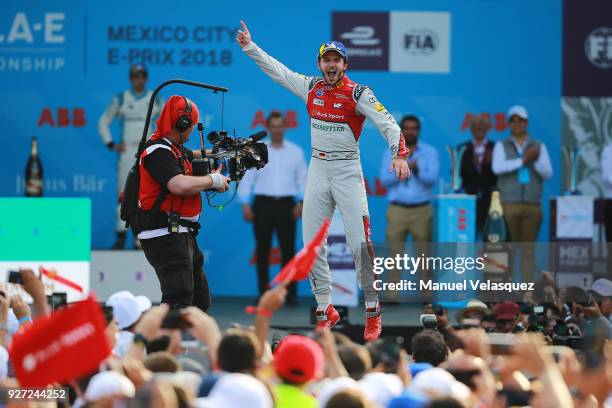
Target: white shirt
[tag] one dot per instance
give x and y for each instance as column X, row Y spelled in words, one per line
column 606, row 170
column 284, row 175
column 502, row 165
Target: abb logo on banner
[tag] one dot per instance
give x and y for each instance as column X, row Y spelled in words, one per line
column 290, row 119
column 62, row 117
column 498, row 121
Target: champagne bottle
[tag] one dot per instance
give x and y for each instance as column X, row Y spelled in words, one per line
column 34, row 172
column 495, row 228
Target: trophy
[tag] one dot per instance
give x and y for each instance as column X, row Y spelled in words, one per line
column 455, row 154
column 570, row 158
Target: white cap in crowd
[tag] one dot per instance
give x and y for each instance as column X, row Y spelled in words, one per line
column 439, row 383
column 128, row 308
column 237, row 390
column 519, row 111
column 602, row 287
column 330, row 388
column 109, row 384
column 380, row 388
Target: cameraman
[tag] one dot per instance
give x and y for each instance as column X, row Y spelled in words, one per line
column 170, row 205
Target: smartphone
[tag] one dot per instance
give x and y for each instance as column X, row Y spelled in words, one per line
column 429, row 321
column 501, row 343
column 57, row 300
column 538, row 309
column 175, row 320
column 15, row 277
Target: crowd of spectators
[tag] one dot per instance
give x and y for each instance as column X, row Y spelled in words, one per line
column 460, row 364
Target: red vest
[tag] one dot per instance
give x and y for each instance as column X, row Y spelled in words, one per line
column 185, row 206
column 335, row 103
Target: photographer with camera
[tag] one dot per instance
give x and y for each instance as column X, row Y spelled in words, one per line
column 170, row 205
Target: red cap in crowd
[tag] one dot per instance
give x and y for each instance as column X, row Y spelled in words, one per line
column 298, row 359
column 507, row 311
column 171, row 112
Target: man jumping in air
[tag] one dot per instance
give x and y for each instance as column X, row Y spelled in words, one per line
column 337, row 107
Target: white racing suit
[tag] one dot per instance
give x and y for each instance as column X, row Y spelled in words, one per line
column 131, row 109
column 335, row 178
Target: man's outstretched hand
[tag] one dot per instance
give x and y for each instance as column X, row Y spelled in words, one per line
column 244, row 36
column 400, row 166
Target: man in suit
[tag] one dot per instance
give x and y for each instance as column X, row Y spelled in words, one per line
column 477, row 176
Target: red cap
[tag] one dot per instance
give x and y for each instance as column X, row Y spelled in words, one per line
column 298, row 359
column 172, row 110
column 507, row 311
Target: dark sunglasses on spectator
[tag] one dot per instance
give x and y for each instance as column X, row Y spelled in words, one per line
column 516, row 119
column 138, row 76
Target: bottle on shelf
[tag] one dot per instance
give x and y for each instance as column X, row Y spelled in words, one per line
column 495, row 228
column 34, row 172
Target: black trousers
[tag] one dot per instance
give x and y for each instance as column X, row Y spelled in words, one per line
column 273, row 214
column 179, row 265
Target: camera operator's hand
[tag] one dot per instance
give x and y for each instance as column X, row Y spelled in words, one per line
column 220, row 182
column 247, row 213
column 244, row 35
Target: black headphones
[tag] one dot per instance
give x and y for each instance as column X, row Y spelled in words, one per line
column 183, row 123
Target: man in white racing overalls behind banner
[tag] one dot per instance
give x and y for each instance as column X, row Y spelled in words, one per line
column 337, row 108
column 130, row 106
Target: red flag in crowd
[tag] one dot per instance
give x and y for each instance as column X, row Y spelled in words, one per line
column 53, row 275
column 300, row 265
column 64, row 346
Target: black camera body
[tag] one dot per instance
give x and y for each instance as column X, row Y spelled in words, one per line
column 241, row 154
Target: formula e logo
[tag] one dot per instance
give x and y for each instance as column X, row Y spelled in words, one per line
column 361, row 35
column 421, row 42
column 320, row 93
column 319, row 102
column 598, row 47
column 337, row 105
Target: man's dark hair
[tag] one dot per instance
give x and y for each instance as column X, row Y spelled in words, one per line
column 238, row 351
column 445, row 403
column 355, row 359
column 347, row 399
column 411, row 118
column 429, row 346
column 274, row 115
column 162, row 362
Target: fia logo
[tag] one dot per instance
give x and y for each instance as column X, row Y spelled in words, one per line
column 421, row 42
column 598, row 47
column 337, row 105
column 320, row 93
